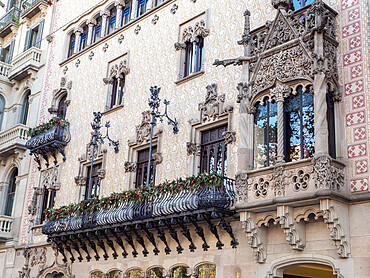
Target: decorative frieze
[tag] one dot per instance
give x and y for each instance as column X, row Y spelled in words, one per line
column 213, row 106
column 130, row 167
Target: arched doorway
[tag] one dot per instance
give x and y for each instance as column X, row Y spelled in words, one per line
column 309, row 271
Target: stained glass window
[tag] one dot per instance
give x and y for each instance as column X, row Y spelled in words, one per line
column 299, row 125
column 156, row 272
column 134, row 273
column 114, row 274
column 207, row 271
column 265, row 134
column 179, row 272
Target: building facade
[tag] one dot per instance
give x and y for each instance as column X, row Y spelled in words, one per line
column 261, row 171
column 23, row 29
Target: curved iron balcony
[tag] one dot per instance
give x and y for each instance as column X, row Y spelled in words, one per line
column 206, row 199
column 49, row 143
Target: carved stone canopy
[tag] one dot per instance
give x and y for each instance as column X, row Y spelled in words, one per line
column 192, row 33
column 119, row 69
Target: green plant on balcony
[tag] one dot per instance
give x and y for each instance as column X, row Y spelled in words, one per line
column 136, row 195
column 44, row 127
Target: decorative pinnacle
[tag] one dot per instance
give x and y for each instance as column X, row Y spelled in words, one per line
column 280, row 4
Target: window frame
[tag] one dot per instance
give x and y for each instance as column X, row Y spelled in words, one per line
column 95, row 178
column 143, row 165
column 11, row 192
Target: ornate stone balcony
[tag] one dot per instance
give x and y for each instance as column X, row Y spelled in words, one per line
column 154, row 215
column 49, row 143
column 290, row 182
column 9, row 22
column 4, row 71
column 32, row 7
column 6, row 223
column 25, row 63
column 13, row 140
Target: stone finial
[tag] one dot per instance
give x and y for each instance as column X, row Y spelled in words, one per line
column 280, row 4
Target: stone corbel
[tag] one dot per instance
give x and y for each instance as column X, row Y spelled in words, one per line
column 295, row 231
column 157, row 158
column 257, row 237
column 130, row 167
column 179, row 46
column 336, row 216
column 101, row 174
column 230, row 136
column 80, row 181
column 43, row 10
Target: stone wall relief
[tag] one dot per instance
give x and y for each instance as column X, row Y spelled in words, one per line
column 65, row 88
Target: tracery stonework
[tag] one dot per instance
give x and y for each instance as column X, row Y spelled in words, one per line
column 213, row 106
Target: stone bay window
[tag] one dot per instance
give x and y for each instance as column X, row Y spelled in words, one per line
column 289, row 95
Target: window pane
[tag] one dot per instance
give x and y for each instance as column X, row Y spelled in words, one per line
column 114, row 274
column 134, row 273
column 179, row 272
column 11, row 193
column 272, row 133
column 155, row 273
column 260, row 131
column 96, row 274
column 331, row 124
column 207, row 271
column 308, row 125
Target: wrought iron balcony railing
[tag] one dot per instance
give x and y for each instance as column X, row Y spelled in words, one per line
column 49, row 143
column 11, row 16
column 155, row 215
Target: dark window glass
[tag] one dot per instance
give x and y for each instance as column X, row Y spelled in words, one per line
column 118, row 91
column 156, row 272
column 33, row 39
column 214, row 151
column 331, row 124
column 142, row 167
column 4, row 54
column 299, row 125
column 95, row 182
column 179, row 272
column 83, row 39
column 141, row 7
column 25, row 108
column 126, row 14
column 62, row 107
column 193, row 56
column 265, row 134
column 72, row 43
column 207, row 271
column 2, row 107
column 11, row 193
column 157, row 2
column 97, row 30
column 111, row 20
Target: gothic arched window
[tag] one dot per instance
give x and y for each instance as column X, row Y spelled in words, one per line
column 83, row 39
column 97, row 30
column 134, row 273
column 179, row 272
column 72, row 44
column 9, row 202
column 265, row 134
column 141, row 7
column 206, row 271
column 111, row 20
column 114, row 274
column 299, row 125
column 126, row 13
column 62, row 107
column 156, row 272
column 2, row 108
column 25, row 107
column 193, row 56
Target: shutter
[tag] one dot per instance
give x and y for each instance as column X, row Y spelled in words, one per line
column 2, row 52
column 27, row 41
column 39, row 34
column 10, row 54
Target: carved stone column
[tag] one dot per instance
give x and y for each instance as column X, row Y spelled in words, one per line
column 104, row 16
column 90, row 32
column 133, row 10
column 119, row 15
column 245, row 150
column 78, row 34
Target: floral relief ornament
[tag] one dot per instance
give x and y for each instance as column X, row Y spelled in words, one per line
column 137, row 29
column 155, row 19
column 121, row 38
column 174, row 8
column 91, row 55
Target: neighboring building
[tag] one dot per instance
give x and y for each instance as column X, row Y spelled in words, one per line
column 23, row 29
column 293, row 136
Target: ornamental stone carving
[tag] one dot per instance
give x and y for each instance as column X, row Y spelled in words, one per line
column 143, row 130
column 279, row 176
column 230, row 136
column 174, row 8
column 301, row 180
column 191, row 33
column 50, row 178
column 121, row 38
column 155, row 19
column 32, row 208
column 137, row 29
column 326, row 175
column 130, row 167
column 118, row 69
column 157, row 158
column 80, row 181
column 213, row 107
column 192, row 148
column 241, row 187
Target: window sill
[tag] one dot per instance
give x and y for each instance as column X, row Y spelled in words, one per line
column 189, row 77
column 116, row 32
column 113, row 109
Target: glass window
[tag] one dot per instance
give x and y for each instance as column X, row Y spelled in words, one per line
column 299, row 125
column 48, row 201
column 118, row 90
column 156, row 272
column 96, row 274
column 4, row 54
column 157, row 2
column 179, row 272
column 83, row 43
column 126, row 14
column 2, row 108
column 297, row 4
column 97, row 30
column 193, row 56
column 72, row 43
column 142, row 167
column 25, row 108
column 95, row 182
column 141, row 7
column 265, row 134
column 214, row 151
column 62, row 107
column 207, row 271
column 11, row 193
column 134, row 273
column 111, row 20
column 331, row 123
column 33, row 35
column 114, row 274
